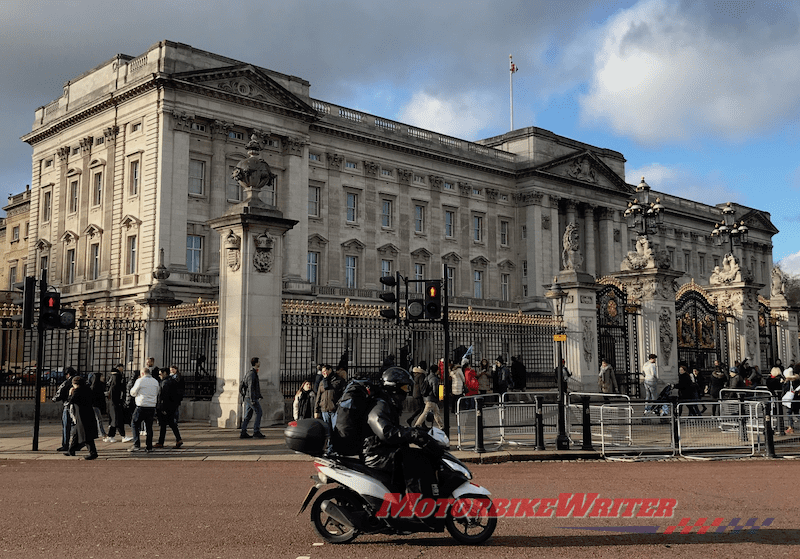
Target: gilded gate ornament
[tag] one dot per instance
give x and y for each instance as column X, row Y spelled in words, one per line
column 665, row 332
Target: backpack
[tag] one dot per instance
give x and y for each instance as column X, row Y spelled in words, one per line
column 351, row 417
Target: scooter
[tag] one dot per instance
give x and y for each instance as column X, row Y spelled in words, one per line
column 361, row 501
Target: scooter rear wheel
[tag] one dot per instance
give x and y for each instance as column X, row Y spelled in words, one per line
column 468, row 520
column 327, row 527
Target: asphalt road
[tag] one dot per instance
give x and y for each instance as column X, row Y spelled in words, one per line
column 171, row 508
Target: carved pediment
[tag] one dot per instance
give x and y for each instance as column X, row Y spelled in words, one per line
column 68, row 237
column 354, row 245
column 585, row 167
column 421, row 254
column 92, row 230
column 247, row 83
column 480, row 262
column 506, row 265
column 451, row 258
column 756, row 219
column 130, row 222
column 389, row 249
column 43, row 245
column 317, row 241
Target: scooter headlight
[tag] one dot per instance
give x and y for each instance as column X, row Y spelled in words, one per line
column 455, row 466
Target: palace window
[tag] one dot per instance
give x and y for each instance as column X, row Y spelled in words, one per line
column 504, row 233
column 477, row 284
column 449, row 224
column 386, row 213
column 97, row 188
column 313, row 201
column 73, row 196
column 130, row 260
column 94, row 261
column 450, row 277
column 194, row 253
column 312, row 268
column 70, row 266
column 197, row 177
column 233, row 190
column 505, row 281
column 47, row 206
column 133, row 178
column 419, row 218
column 351, row 272
column 386, row 270
column 352, row 207
column 477, row 228
column 419, row 274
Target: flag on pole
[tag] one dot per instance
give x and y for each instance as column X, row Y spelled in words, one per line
column 514, row 67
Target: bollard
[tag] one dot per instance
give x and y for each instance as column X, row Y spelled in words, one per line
column 539, row 424
column 587, row 425
column 479, row 425
column 770, row 436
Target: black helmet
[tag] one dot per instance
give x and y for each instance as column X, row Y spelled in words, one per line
column 397, row 382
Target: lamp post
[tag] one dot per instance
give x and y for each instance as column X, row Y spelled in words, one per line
column 728, row 231
column 557, row 296
column 642, row 215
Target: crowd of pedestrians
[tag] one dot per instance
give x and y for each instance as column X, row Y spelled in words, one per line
column 152, row 394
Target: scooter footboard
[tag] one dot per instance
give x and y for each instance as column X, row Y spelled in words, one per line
column 468, row 488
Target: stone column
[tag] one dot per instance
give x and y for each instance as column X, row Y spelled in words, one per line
column 555, row 234
column 156, row 302
column 608, row 262
column 580, row 319
column 294, row 192
column 251, row 272
column 588, row 222
column 653, row 289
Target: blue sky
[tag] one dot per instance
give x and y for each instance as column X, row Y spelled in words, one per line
column 702, row 98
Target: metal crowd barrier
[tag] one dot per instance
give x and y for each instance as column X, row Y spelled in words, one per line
column 736, row 431
column 748, row 422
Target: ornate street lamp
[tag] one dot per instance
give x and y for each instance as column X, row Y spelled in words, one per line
column 644, row 216
column 557, row 296
column 728, row 231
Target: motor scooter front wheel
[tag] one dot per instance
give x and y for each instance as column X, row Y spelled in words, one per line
column 331, row 530
column 468, row 519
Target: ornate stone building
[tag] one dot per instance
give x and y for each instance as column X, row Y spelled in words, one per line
column 14, row 232
column 137, row 154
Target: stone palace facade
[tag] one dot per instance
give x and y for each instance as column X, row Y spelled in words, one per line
column 136, row 155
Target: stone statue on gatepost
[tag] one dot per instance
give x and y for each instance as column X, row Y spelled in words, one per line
column 784, row 306
column 251, row 265
column 580, row 313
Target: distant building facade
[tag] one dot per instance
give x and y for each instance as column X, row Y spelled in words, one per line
column 136, row 156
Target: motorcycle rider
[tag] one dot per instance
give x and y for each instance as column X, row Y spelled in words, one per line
column 386, row 447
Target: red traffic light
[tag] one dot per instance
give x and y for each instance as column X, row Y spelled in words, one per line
column 51, row 302
column 433, row 291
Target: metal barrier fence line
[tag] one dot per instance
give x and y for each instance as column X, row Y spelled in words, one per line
column 637, row 428
column 742, row 431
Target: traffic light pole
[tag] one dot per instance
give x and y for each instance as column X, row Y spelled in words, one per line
column 39, row 358
column 445, row 369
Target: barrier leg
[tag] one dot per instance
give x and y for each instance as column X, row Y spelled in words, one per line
column 539, row 425
column 587, row 426
column 769, row 436
column 479, row 425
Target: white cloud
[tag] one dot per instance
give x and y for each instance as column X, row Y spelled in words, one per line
column 462, row 116
column 791, row 264
column 669, row 71
column 684, row 182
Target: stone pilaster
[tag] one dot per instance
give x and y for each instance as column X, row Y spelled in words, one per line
column 653, row 289
column 787, row 328
column 739, row 300
column 580, row 319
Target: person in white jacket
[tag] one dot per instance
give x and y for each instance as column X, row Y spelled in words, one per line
column 145, row 393
column 457, row 385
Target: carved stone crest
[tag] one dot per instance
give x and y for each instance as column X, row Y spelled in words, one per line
column 233, row 250
column 263, row 258
column 589, row 328
column 750, row 335
column 581, row 169
column 665, row 326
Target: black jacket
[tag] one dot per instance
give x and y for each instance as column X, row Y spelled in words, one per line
column 169, row 397
column 85, row 420
column 386, row 435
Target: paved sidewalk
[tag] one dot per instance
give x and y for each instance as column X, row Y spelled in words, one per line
column 202, row 442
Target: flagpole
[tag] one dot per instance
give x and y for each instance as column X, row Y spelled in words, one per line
column 511, row 89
